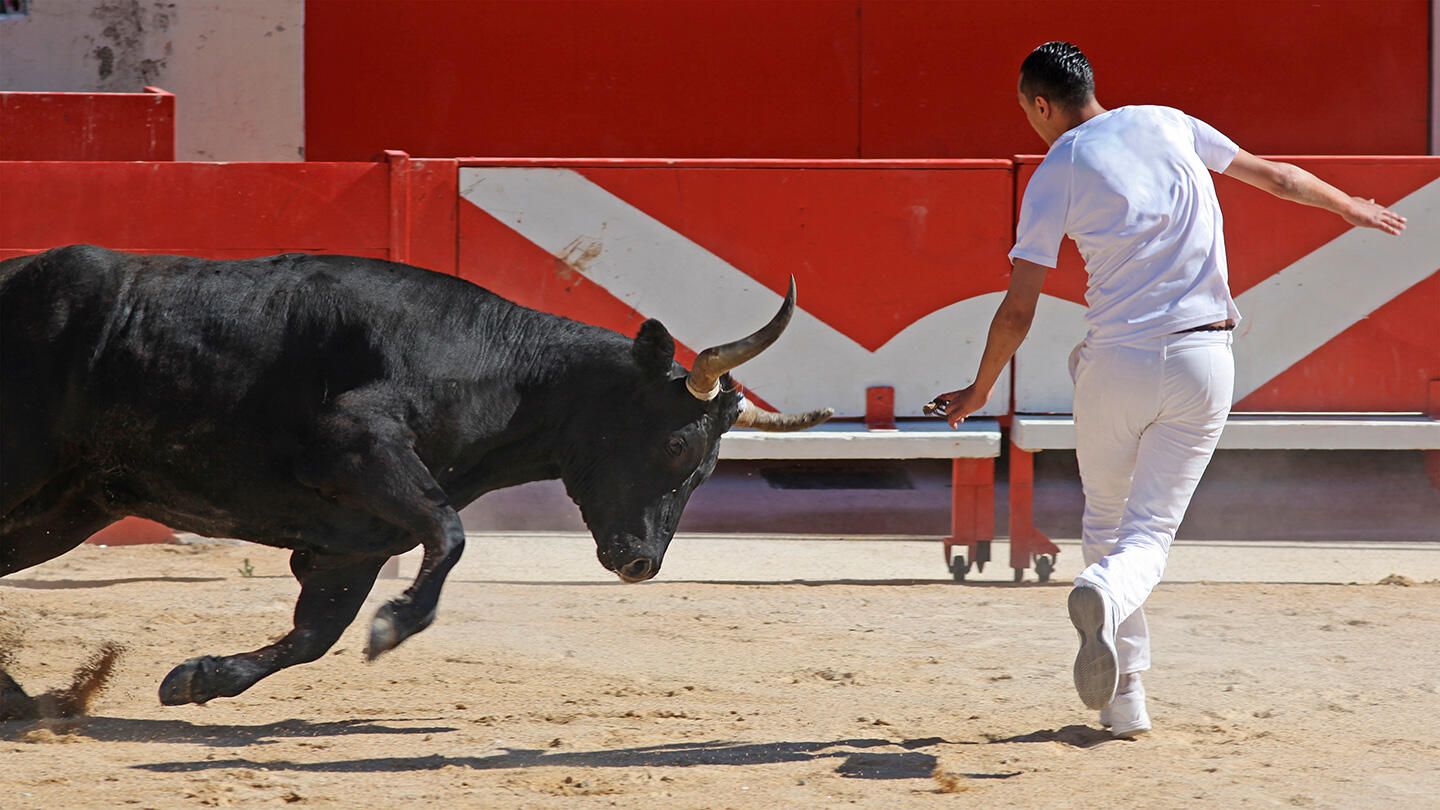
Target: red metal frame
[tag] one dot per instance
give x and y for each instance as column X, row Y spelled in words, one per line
column 972, row 510
column 1026, row 541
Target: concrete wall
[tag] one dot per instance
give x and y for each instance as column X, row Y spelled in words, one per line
column 235, row 66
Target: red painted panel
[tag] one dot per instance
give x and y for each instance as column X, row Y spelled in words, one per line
column 87, row 126
column 581, row 78
column 207, row 209
column 1382, row 363
column 873, row 250
column 1282, row 76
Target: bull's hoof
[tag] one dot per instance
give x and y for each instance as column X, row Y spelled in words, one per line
column 385, row 633
column 195, row 681
column 394, row 622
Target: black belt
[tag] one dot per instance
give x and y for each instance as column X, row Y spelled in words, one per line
column 1209, row 327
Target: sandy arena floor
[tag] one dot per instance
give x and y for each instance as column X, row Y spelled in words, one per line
column 752, row 674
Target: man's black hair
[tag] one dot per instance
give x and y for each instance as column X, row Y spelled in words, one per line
column 1059, row 72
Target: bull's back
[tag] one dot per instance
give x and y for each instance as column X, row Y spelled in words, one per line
column 161, row 363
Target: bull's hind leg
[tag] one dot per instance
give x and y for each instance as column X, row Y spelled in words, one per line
column 48, row 524
column 332, row 589
column 44, row 526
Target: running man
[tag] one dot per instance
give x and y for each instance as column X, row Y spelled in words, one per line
column 1154, row 375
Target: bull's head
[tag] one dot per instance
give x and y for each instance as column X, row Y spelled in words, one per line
column 662, row 441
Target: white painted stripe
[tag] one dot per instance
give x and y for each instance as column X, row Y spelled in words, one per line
column 705, row 301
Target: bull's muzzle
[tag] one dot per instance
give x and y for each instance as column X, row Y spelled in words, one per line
column 637, row 570
column 625, row 555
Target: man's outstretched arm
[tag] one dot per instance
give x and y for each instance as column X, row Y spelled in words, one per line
column 1007, row 331
column 1291, row 182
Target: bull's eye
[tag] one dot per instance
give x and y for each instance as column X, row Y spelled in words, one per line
column 675, row 445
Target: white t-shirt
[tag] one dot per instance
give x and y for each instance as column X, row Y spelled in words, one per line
column 1130, row 186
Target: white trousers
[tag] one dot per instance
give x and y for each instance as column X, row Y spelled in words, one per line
column 1147, row 418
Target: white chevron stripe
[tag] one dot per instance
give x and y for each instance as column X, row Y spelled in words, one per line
column 705, row 301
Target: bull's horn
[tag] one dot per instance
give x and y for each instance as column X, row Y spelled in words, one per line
column 753, row 417
column 704, row 379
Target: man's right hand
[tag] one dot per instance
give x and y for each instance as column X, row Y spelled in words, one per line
column 956, row 405
column 1365, row 213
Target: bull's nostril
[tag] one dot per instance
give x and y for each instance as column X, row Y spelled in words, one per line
column 637, row 569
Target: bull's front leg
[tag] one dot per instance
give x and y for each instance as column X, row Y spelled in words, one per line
column 332, row 590
column 414, row 610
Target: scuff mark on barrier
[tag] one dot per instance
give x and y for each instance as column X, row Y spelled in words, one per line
column 581, row 251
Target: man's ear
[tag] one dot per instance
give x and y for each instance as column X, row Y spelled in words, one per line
column 1042, row 106
column 654, row 350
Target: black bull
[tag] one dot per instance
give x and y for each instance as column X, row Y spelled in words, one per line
column 340, row 407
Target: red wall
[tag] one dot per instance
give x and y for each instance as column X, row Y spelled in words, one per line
column 845, row 78
column 606, row 77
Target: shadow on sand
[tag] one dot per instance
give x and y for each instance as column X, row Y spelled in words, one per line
column 116, row 729
column 70, row 584
column 868, row 762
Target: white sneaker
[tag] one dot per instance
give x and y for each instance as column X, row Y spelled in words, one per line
column 1096, row 665
column 1126, row 716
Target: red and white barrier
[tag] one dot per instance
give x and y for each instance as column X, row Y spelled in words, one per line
column 899, row 266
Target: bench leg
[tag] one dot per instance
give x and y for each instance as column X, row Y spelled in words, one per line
column 1432, row 457
column 972, row 514
column 1026, row 541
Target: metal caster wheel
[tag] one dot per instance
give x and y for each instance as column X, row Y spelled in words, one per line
column 1044, row 566
column 959, row 567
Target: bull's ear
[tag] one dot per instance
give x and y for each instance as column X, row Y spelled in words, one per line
column 654, row 350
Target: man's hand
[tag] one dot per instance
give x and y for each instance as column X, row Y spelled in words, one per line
column 1365, row 213
column 956, row 405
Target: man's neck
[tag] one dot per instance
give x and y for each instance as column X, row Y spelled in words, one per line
column 1077, row 117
